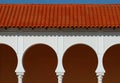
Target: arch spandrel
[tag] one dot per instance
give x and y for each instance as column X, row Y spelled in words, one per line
column 89, row 41
column 110, row 41
column 51, row 43
column 12, row 45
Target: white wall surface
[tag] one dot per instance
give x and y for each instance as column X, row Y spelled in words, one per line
column 60, row 41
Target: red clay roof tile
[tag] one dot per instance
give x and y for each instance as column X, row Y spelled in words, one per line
column 60, row 15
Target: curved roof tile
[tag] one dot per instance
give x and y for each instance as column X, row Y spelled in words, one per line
column 60, row 15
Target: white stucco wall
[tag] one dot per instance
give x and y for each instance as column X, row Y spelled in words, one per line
column 60, row 41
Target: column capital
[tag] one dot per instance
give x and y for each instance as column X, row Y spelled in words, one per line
column 59, row 73
column 100, row 73
column 20, row 73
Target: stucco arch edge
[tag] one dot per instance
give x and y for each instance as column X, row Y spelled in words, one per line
column 38, row 43
column 80, row 43
column 14, row 47
column 110, row 45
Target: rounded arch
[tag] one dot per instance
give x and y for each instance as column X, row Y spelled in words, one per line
column 12, row 46
column 80, row 44
column 80, row 62
column 109, row 46
column 111, row 62
column 36, row 44
column 27, row 46
column 8, row 64
column 40, row 62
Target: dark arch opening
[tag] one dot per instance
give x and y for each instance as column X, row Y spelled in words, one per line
column 80, row 62
column 40, row 62
column 8, row 63
column 111, row 63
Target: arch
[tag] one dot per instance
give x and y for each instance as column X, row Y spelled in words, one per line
column 8, row 63
column 111, row 62
column 109, row 46
column 40, row 62
column 80, row 62
column 34, row 42
column 74, row 44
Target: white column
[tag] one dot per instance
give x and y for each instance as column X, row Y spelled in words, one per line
column 20, row 48
column 20, row 76
column 100, row 69
column 100, row 77
column 60, row 76
column 20, row 70
column 60, row 47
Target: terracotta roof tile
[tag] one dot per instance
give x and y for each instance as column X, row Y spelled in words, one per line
column 60, row 15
